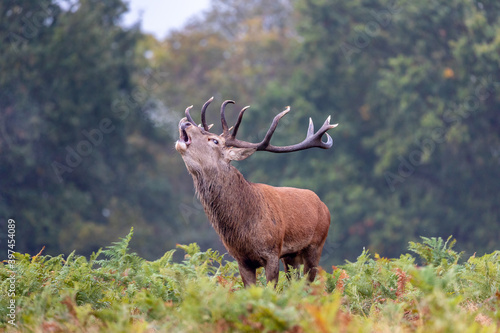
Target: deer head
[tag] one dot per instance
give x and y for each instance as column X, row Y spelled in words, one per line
column 202, row 149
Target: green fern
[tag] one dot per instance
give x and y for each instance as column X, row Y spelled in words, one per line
column 117, row 255
column 436, row 252
column 122, row 292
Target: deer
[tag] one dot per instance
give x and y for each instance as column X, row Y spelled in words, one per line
column 258, row 224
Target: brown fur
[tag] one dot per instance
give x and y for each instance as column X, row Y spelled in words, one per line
column 257, row 223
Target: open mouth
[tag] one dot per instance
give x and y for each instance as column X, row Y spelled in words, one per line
column 184, row 137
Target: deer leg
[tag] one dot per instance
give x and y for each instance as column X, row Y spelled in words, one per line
column 272, row 270
column 294, row 261
column 248, row 274
column 311, row 259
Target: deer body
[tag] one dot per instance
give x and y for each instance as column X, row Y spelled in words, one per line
column 257, row 223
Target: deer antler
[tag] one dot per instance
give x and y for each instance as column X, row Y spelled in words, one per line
column 312, row 139
column 203, row 110
column 188, row 116
column 225, row 129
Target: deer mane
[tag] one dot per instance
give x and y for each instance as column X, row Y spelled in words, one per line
column 229, row 201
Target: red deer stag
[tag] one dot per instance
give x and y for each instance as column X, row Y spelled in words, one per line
column 257, row 223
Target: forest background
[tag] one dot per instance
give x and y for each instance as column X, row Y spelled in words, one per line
column 89, row 112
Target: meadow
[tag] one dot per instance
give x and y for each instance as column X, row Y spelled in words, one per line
column 432, row 289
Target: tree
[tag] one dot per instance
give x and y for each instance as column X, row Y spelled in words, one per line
column 415, row 87
column 75, row 170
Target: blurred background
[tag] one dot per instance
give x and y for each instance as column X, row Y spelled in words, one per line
column 90, row 101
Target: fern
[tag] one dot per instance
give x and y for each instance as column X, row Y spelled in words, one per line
column 118, row 257
column 436, row 252
column 118, row 291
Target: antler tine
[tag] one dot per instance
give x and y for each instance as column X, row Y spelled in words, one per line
column 225, row 130
column 238, row 122
column 310, row 129
column 312, row 139
column 264, row 144
column 188, row 116
column 267, row 139
column 203, row 110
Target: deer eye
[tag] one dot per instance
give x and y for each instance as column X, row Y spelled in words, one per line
column 215, row 141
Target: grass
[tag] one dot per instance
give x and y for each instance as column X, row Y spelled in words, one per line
column 117, row 291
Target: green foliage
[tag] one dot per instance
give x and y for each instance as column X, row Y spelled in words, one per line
column 434, row 251
column 413, row 84
column 417, row 105
column 120, row 291
column 72, row 134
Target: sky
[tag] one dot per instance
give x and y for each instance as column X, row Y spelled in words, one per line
column 161, row 16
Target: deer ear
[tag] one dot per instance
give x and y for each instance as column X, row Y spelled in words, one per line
column 238, row 154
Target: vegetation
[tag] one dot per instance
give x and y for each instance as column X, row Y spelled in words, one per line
column 89, row 108
column 115, row 290
column 88, row 116
column 71, row 129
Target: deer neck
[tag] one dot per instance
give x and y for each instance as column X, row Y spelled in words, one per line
column 229, row 201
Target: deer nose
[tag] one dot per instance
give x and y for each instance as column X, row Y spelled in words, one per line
column 185, row 125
